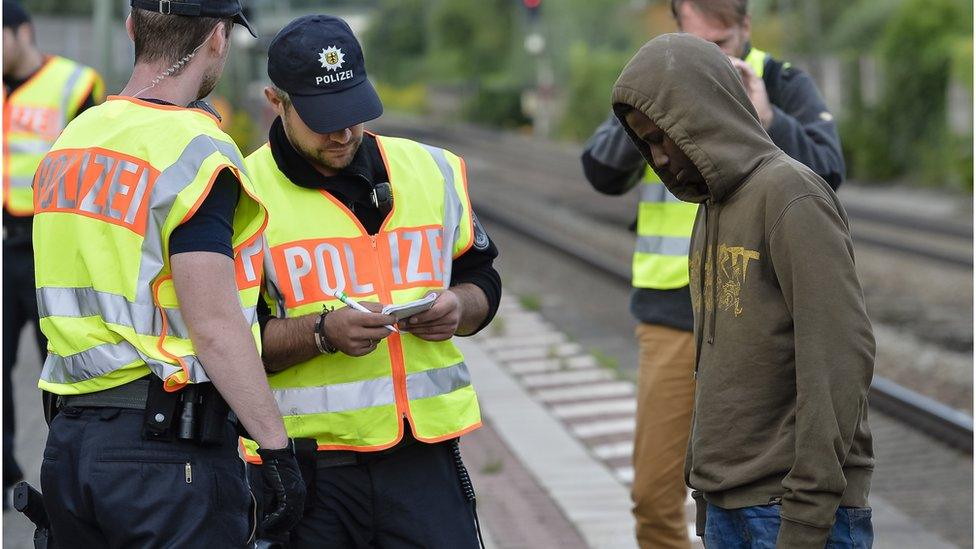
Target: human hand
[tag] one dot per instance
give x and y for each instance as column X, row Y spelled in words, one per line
column 439, row 322
column 356, row 333
column 756, row 90
column 283, row 482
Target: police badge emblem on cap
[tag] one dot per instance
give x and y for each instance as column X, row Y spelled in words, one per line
column 319, row 62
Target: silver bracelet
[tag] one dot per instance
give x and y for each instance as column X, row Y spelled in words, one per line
column 321, row 342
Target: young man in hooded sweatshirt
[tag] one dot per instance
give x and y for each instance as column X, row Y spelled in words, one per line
column 780, row 446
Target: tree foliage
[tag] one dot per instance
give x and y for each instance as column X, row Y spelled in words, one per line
column 916, row 51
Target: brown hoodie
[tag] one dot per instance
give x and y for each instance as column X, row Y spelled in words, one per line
column 785, row 349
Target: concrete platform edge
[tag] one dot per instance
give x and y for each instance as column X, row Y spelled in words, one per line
column 582, row 487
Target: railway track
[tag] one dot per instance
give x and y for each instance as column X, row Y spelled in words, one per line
column 925, row 414
column 551, row 179
column 944, row 241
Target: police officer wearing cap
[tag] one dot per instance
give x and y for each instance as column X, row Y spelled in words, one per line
column 144, row 225
column 375, row 413
column 41, row 94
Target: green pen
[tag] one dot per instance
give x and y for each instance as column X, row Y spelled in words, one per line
column 341, row 296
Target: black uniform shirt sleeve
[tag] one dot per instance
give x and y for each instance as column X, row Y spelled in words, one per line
column 211, row 229
column 611, row 162
column 264, row 314
column 803, row 127
column 88, row 103
column 475, row 266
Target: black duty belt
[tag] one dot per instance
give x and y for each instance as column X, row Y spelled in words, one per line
column 133, row 395
column 325, row 459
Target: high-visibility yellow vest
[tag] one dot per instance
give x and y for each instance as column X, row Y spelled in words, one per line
column 316, row 246
column 108, row 195
column 664, row 224
column 756, row 59
column 33, row 117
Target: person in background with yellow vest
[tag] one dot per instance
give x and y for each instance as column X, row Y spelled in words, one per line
column 375, row 413
column 41, row 94
column 145, row 222
column 795, row 117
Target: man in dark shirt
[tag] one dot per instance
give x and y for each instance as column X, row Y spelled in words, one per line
column 386, row 220
column 796, row 119
column 170, row 405
column 24, row 97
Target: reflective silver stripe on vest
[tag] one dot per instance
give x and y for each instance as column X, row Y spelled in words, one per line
column 168, row 185
column 69, row 86
column 663, row 245
column 356, row 395
column 106, row 358
column 143, row 318
column 339, row 397
column 453, row 211
column 438, row 381
column 20, row 182
column 30, row 146
column 656, row 192
column 114, row 309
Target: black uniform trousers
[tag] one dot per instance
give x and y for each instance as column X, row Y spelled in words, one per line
column 104, row 486
column 408, row 497
column 19, row 309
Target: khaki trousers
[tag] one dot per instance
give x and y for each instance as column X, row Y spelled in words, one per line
column 665, row 396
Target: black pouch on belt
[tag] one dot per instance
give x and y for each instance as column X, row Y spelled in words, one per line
column 160, row 411
column 49, row 402
column 212, row 416
column 306, row 453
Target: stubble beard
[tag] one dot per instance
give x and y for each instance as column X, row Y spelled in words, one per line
column 209, row 83
column 318, row 157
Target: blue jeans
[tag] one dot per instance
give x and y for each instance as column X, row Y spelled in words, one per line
column 757, row 527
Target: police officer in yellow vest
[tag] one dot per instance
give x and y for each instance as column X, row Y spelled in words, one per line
column 376, row 413
column 793, row 113
column 145, row 225
column 41, row 94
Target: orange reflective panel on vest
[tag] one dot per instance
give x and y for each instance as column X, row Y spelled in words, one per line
column 96, row 183
column 319, row 268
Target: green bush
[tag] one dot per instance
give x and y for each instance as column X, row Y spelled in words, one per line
column 907, row 133
column 411, row 98
column 395, row 44
column 591, row 77
column 497, row 105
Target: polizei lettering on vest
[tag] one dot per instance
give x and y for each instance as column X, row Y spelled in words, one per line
column 333, row 78
column 314, row 270
column 96, row 183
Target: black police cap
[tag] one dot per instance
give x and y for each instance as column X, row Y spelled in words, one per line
column 14, row 15
column 197, row 8
column 319, row 62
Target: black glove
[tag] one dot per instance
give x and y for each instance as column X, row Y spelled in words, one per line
column 285, row 488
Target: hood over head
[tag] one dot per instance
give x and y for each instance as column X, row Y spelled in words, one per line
column 690, row 90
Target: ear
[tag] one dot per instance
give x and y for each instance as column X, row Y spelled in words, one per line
column 26, row 32
column 129, row 28
column 746, row 27
column 273, row 100
column 218, row 42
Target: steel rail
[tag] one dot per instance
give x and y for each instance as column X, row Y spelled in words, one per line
column 493, row 141
column 918, row 411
